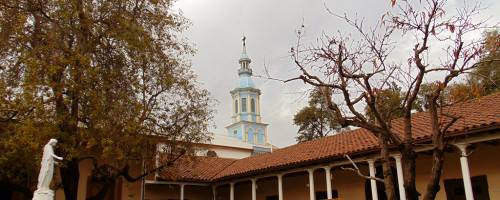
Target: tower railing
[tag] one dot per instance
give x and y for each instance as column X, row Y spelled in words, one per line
column 245, row 71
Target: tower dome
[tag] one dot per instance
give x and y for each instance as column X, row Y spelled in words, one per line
column 245, row 82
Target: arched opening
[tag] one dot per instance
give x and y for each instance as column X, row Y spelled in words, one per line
column 260, row 137
column 235, row 106
column 251, row 136
column 252, row 105
column 243, row 104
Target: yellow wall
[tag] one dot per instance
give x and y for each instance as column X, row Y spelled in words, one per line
column 295, row 186
column 163, row 192
column 483, row 161
column 85, row 167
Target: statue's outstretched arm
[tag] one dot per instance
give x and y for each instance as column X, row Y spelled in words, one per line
column 57, row 157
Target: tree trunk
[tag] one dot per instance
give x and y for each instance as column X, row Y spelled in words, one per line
column 70, row 176
column 438, row 155
column 409, row 167
column 408, row 159
column 67, row 122
column 101, row 194
column 386, row 168
column 437, row 167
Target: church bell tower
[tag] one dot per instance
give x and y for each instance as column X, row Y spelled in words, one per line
column 246, row 121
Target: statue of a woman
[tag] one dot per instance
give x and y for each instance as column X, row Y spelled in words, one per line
column 47, row 167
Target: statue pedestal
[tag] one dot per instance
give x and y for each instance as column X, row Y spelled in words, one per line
column 43, row 195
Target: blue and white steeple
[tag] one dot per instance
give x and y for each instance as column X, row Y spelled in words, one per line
column 246, row 121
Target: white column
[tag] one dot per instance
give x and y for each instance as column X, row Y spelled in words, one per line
column 328, row 182
column 182, row 191
column 214, row 191
column 231, row 191
column 254, row 189
column 280, row 186
column 465, row 172
column 399, row 167
column 311, row 184
column 371, row 164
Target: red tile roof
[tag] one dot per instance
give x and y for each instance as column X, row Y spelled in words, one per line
column 196, row 168
column 476, row 113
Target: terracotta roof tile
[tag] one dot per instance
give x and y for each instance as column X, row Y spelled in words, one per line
column 483, row 111
column 196, row 169
column 336, row 145
column 475, row 113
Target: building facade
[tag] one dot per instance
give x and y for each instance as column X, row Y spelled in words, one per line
column 316, row 169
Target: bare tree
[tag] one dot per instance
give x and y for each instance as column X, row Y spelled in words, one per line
column 352, row 70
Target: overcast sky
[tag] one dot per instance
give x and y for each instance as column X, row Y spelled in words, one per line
column 269, row 25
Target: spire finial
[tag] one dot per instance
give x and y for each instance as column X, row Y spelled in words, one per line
column 244, row 45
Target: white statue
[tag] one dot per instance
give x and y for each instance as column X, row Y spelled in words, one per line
column 46, row 172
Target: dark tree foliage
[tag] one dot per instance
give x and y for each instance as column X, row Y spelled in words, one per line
column 487, row 73
column 390, row 104
column 314, row 120
column 107, row 78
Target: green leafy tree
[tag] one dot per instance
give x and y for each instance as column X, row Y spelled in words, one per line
column 106, row 78
column 390, row 103
column 314, row 120
column 486, row 76
column 453, row 93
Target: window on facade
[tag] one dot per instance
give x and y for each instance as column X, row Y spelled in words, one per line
column 324, row 195
column 455, row 188
column 274, row 197
column 235, row 132
column 243, row 104
column 252, row 105
column 236, row 106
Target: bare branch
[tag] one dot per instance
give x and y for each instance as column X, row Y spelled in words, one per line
column 356, row 169
column 450, row 123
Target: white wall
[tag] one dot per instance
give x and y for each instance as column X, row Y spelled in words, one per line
column 226, row 152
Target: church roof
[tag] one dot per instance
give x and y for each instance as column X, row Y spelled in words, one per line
column 245, row 82
column 478, row 113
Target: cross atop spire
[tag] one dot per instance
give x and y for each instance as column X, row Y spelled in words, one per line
column 244, row 45
column 244, row 61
